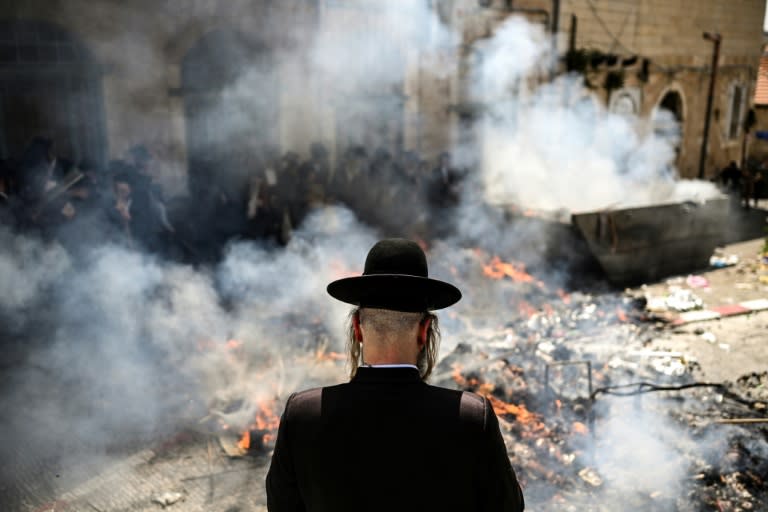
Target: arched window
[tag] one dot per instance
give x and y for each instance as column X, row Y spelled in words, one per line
column 668, row 119
column 50, row 85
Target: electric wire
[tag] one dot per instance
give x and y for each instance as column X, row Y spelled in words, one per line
column 639, row 388
column 616, row 40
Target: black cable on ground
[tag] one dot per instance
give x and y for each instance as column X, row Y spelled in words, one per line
column 648, row 387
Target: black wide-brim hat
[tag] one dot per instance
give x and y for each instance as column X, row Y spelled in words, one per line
column 395, row 277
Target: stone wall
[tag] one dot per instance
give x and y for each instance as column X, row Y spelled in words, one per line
column 669, row 34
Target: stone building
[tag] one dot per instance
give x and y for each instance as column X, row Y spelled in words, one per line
column 212, row 85
column 644, row 55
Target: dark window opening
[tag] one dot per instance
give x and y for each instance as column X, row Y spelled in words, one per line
column 50, row 86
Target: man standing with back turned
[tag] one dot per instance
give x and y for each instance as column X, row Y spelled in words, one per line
column 387, row 441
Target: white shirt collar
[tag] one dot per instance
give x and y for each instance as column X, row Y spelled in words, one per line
column 391, row 366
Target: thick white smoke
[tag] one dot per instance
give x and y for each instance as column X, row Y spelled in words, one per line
column 555, row 146
column 121, row 344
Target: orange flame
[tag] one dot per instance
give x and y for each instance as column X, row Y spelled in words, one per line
column 520, row 412
column 580, row 428
column 497, row 269
column 266, row 420
column 245, row 441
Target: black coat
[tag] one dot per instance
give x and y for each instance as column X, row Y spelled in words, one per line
column 388, row 441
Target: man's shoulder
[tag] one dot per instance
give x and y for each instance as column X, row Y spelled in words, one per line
column 309, row 401
column 473, row 408
column 304, row 403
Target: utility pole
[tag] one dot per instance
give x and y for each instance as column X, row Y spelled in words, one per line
column 555, row 27
column 716, row 39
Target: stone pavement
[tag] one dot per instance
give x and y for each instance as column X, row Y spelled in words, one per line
column 728, row 337
column 192, row 475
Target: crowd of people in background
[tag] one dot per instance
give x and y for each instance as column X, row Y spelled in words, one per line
column 744, row 184
column 82, row 204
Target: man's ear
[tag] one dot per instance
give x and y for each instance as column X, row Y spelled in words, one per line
column 356, row 327
column 424, row 330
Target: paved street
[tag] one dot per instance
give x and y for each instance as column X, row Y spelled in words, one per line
column 729, row 347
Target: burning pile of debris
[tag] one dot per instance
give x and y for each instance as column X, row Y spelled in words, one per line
column 556, row 369
column 593, row 416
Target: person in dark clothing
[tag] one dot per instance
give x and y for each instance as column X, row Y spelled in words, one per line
column 268, row 223
column 118, row 211
column 349, row 179
column 751, row 179
column 151, row 227
column 443, row 195
column 94, row 190
column 384, row 440
column 36, row 169
column 313, row 177
column 730, row 178
column 320, row 161
column 7, row 194
column 410, row 197
column 267, row 215
column 444, row 188
column 290, row 187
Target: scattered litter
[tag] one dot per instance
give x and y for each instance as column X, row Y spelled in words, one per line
column 678, row 299
column 673, row 366
column 654, row 353
column 709, row 337
column 656, row 304
column 616, row 362
column 168, row 498
column 725, row 346
column 547, row 347
column 720, row 261
column 697, row 281
column 669, row 363
column 590, row 476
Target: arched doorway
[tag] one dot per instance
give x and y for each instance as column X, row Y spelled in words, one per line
column 50, row 85
column 231, row 107
column 668, row 120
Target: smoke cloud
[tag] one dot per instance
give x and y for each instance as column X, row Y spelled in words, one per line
column 541, row 143
column 120, row 344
